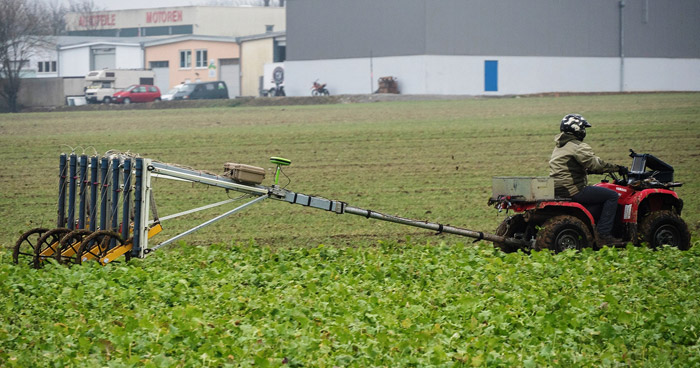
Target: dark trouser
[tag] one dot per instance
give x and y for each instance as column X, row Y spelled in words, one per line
column 594, row 195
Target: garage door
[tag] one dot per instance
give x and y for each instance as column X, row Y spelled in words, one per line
column 103, row 58
column 162, row 79
column 230, row 73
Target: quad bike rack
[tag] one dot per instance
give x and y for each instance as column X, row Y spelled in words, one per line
column 119, row 217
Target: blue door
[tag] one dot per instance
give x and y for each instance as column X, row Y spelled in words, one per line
column 491, row 75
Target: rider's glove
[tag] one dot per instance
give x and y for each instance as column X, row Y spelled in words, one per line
column 622, row 170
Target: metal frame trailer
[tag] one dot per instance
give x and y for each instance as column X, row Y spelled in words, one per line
column 129, row 179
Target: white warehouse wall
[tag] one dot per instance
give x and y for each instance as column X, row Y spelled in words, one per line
column 74, row 62
column 645, row 74
column 464, row 75
column 129, row 57
column 354, row 76
column 42, row 55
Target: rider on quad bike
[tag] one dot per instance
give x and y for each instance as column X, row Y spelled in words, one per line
column 571, row 161
column 562, row 212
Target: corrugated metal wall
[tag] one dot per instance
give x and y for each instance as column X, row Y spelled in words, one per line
column 334, row 29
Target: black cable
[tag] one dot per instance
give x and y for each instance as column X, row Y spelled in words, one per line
column 289, row 180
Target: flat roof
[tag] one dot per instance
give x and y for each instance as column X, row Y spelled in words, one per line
column 261, row 36
column 189, row 37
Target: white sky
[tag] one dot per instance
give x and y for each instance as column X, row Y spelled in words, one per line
column 144, row 4
column 139, row 4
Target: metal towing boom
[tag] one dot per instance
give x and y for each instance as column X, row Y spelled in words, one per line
column 79, row 240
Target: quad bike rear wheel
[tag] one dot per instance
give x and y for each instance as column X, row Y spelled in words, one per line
column 563, row 232
column 664, row 228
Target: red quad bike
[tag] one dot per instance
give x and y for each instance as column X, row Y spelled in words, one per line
column 648, row 212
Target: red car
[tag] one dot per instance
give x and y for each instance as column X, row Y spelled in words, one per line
column 137, row 93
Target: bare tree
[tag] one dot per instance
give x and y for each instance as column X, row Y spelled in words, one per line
column 87, row 13
column 56, row 14
column 22, row 31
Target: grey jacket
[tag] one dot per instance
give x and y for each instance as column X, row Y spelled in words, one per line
column 571, row 161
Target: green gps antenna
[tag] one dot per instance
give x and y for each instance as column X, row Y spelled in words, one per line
column 279, row 161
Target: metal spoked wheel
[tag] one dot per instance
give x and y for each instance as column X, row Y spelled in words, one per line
column 97, row 245
column 26, row 244
column 47, row 245
column 70, row 245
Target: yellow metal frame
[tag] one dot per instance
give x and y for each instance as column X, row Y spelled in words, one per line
column 121, row 250
column 109, row 257
column 48, row 252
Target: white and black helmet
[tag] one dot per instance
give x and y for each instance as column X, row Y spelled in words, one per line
column 574, row 124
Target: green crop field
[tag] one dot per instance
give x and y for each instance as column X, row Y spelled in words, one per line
column 283, row 285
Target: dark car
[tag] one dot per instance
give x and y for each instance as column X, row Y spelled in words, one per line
column 137, row 93
column 202, row 91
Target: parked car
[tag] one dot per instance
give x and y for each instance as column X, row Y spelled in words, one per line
column 167, row 96
column 137, row 93
column 103, row 84
column 202, row 91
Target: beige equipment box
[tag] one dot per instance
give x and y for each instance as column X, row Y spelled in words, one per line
column 244, row 173
column 525, row 188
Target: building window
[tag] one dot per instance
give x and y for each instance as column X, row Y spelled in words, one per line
column 279, row 51
column 201, row 59
column 186, row 59
column 160, row 64
column 46, row 67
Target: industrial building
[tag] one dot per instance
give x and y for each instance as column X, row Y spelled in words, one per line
column 194, row 58
column 486, row 47
column 447, row 47
column 79, row 55
column 181, row 44
column 182, row 20
column 260, row 52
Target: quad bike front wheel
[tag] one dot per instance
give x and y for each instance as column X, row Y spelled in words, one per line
column 563, row 232
column 664, row 228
